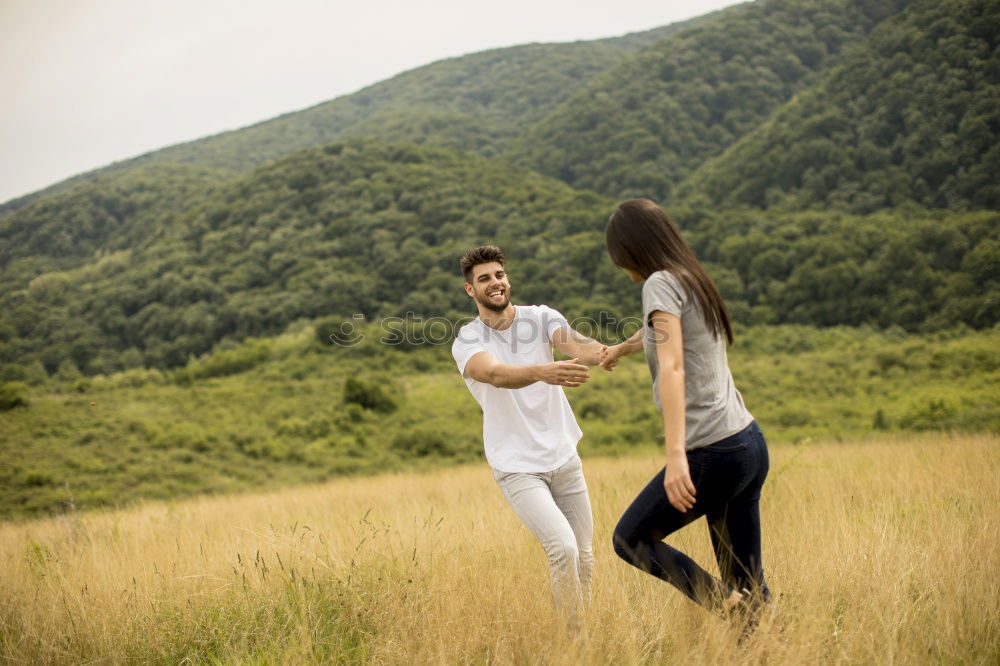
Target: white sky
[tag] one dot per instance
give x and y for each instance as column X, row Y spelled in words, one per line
column 89, row 82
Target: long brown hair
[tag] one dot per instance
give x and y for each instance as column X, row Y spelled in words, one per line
column 642, row 238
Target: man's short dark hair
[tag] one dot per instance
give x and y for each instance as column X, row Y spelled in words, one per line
column 484, row 254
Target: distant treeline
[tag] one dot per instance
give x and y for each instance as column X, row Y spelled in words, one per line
column 376, row 230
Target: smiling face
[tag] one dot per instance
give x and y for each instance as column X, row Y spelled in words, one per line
column 489, row 286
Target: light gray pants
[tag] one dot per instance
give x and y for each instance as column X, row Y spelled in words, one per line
column 555, row 506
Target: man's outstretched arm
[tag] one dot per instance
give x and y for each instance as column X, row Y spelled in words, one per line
column 484, row 367
column 576, row 345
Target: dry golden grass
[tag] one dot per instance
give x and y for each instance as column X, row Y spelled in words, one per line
column 880, row 552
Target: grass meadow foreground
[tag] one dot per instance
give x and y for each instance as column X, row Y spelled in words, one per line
column 880, row 551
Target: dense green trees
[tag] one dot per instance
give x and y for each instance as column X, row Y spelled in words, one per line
column 911, row 115
column 119, row 211
column 917, row 271
column 372, row 229
column 641, row 127
column 375, row 230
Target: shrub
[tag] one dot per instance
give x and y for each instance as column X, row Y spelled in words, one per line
column 68, row 372
column 929, row 415
column 38, row 479
column 11, row 372
column 339, row 332
column 298, row 427
column 12, row 395
column 131, row 358
column 226, row 362
column 886, row 360
column 181, row 435
column 595, row 410
column 353, row 413
column 423, row 442
column 792, row 418
column 367, row 394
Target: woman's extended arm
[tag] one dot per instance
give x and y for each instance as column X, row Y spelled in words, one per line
column 610, row 355
column 670, row 387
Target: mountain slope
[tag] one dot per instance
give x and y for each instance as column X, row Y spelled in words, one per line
column 115, row 211
column 490, row 93
column 911, row 115
column 375, row 230
column 642, row 126
column 366, row 228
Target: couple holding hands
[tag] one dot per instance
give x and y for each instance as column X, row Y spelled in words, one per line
column 716, row 456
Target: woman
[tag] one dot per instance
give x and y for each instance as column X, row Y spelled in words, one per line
column 716, row 456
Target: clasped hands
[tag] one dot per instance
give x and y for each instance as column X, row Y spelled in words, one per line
column 609, row 355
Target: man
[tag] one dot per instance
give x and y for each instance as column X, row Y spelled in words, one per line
column 529, row 432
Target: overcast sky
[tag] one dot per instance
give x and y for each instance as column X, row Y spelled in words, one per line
column 89, row 82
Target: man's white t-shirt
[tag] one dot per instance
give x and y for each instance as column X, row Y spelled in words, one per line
column 529, row 429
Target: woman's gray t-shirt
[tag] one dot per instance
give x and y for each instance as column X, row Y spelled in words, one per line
column 713, row 407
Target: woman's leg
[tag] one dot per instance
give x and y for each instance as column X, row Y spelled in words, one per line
column 638, row 538
column 738, row 543
column 718, row 529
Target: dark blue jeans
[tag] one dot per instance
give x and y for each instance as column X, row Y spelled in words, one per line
column 728, row 476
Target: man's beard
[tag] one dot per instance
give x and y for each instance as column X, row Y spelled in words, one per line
column 484, row 300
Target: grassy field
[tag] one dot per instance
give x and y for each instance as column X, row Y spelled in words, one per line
column 273, row 413
column 883, row 550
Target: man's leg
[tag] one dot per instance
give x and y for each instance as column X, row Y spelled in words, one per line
column 530, row 497
column 569, row 490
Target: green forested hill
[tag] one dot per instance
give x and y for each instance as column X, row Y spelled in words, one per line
column 150, row 264
column 473, row 102
column 639, row 128
column 360, row 228
column 374, row 229
column 912, row 114
column 116, row 211
column 838, row 118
